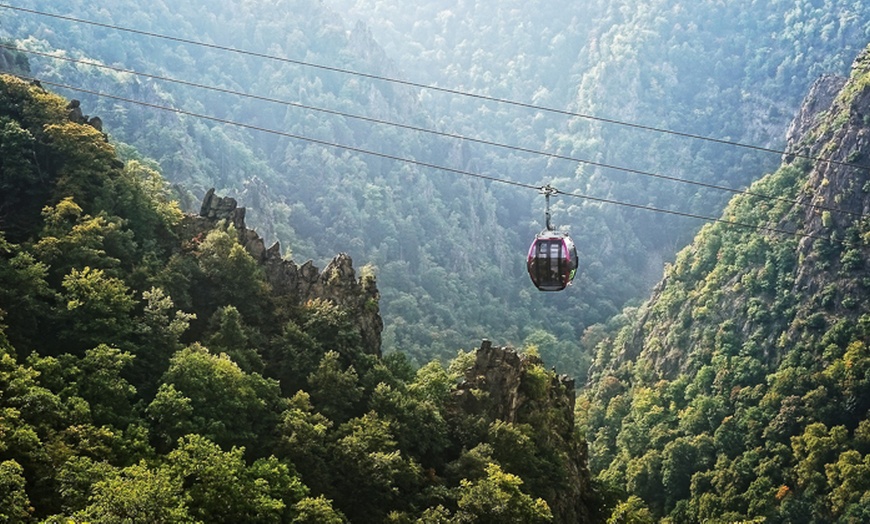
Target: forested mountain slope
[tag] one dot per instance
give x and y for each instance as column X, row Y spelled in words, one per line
column 430, row 235
column 732, row 70
column 161, row 367
column 448, row 250
column 741, row 390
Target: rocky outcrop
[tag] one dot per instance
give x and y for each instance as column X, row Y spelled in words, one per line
column 505, row 385
column 501, row 373
column 337, row 282
column 838, row 190
column 76, row 115
column 817, row 102
column 841, row 135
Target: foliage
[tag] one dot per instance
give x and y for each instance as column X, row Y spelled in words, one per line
column 715, row 402
column 13, row 497
column 150, row 378
column 137, row 495
column 200, row 368
column 497, row 498
column 432, row 236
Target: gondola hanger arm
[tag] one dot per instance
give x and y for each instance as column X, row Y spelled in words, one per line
column 548, row 190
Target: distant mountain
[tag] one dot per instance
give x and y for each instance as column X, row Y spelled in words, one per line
column 741, row 389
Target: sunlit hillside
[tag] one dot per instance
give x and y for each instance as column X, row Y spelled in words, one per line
column 662, row 65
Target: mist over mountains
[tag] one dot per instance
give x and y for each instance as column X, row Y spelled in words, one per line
column 448, row 249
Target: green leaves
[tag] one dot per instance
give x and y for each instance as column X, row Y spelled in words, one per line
column 221, row 487
column 336, row 392
column 229, row 406
column 14, row 504
column 138, row 494
column 22, row 186
column 497, row 498
column 168, row 382
column 317, row 510
column 98, row 307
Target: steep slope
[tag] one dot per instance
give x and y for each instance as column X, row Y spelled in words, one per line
column 741, row 390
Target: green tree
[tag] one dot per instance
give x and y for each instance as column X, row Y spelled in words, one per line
column 234, row 277
column 158, row 336
column 418, row 426
column 816, row 447
column 76, row 480
column 433, row 382
column 230, row 407
column 14, row 503
column 370, row 473
column 498, row 498
column 303, row 440
column 222, row 488
column 71, row 239
column 293, row 357
column 100, row 383
column 631, row 511
column 644, row 478
column 332, row 327
column 26, row 298
column 138, row 495
column 171, row 417
column 316, row 510
column 335, row 392
column 24, row 187
column 98, row 308
column 520, row 450
column 229, row 336
column 849, row 482
column 680, row 460
column 141, row 196
column 86, row 163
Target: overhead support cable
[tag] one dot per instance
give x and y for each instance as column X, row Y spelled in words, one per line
column 429, row 165
column 491, row 143
column 446, row 90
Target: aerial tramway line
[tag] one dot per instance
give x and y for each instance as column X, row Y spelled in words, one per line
column 551, row 249
column 552, row 260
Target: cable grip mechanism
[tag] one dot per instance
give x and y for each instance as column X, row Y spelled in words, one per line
column 548, row 190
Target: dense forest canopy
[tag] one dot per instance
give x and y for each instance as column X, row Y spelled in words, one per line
column 741, row 390
column 448, row 249
column 167, row 364
column 729, row 70
column 156, row 368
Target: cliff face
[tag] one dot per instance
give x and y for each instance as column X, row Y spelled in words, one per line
column 818, row 101
column 337, row 282
column 813, row 273
column 841, row 191
column 507, row 386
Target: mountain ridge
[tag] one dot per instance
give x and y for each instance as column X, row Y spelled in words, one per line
column 753, row 347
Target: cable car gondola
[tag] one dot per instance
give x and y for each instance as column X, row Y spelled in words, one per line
column 552, row 260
